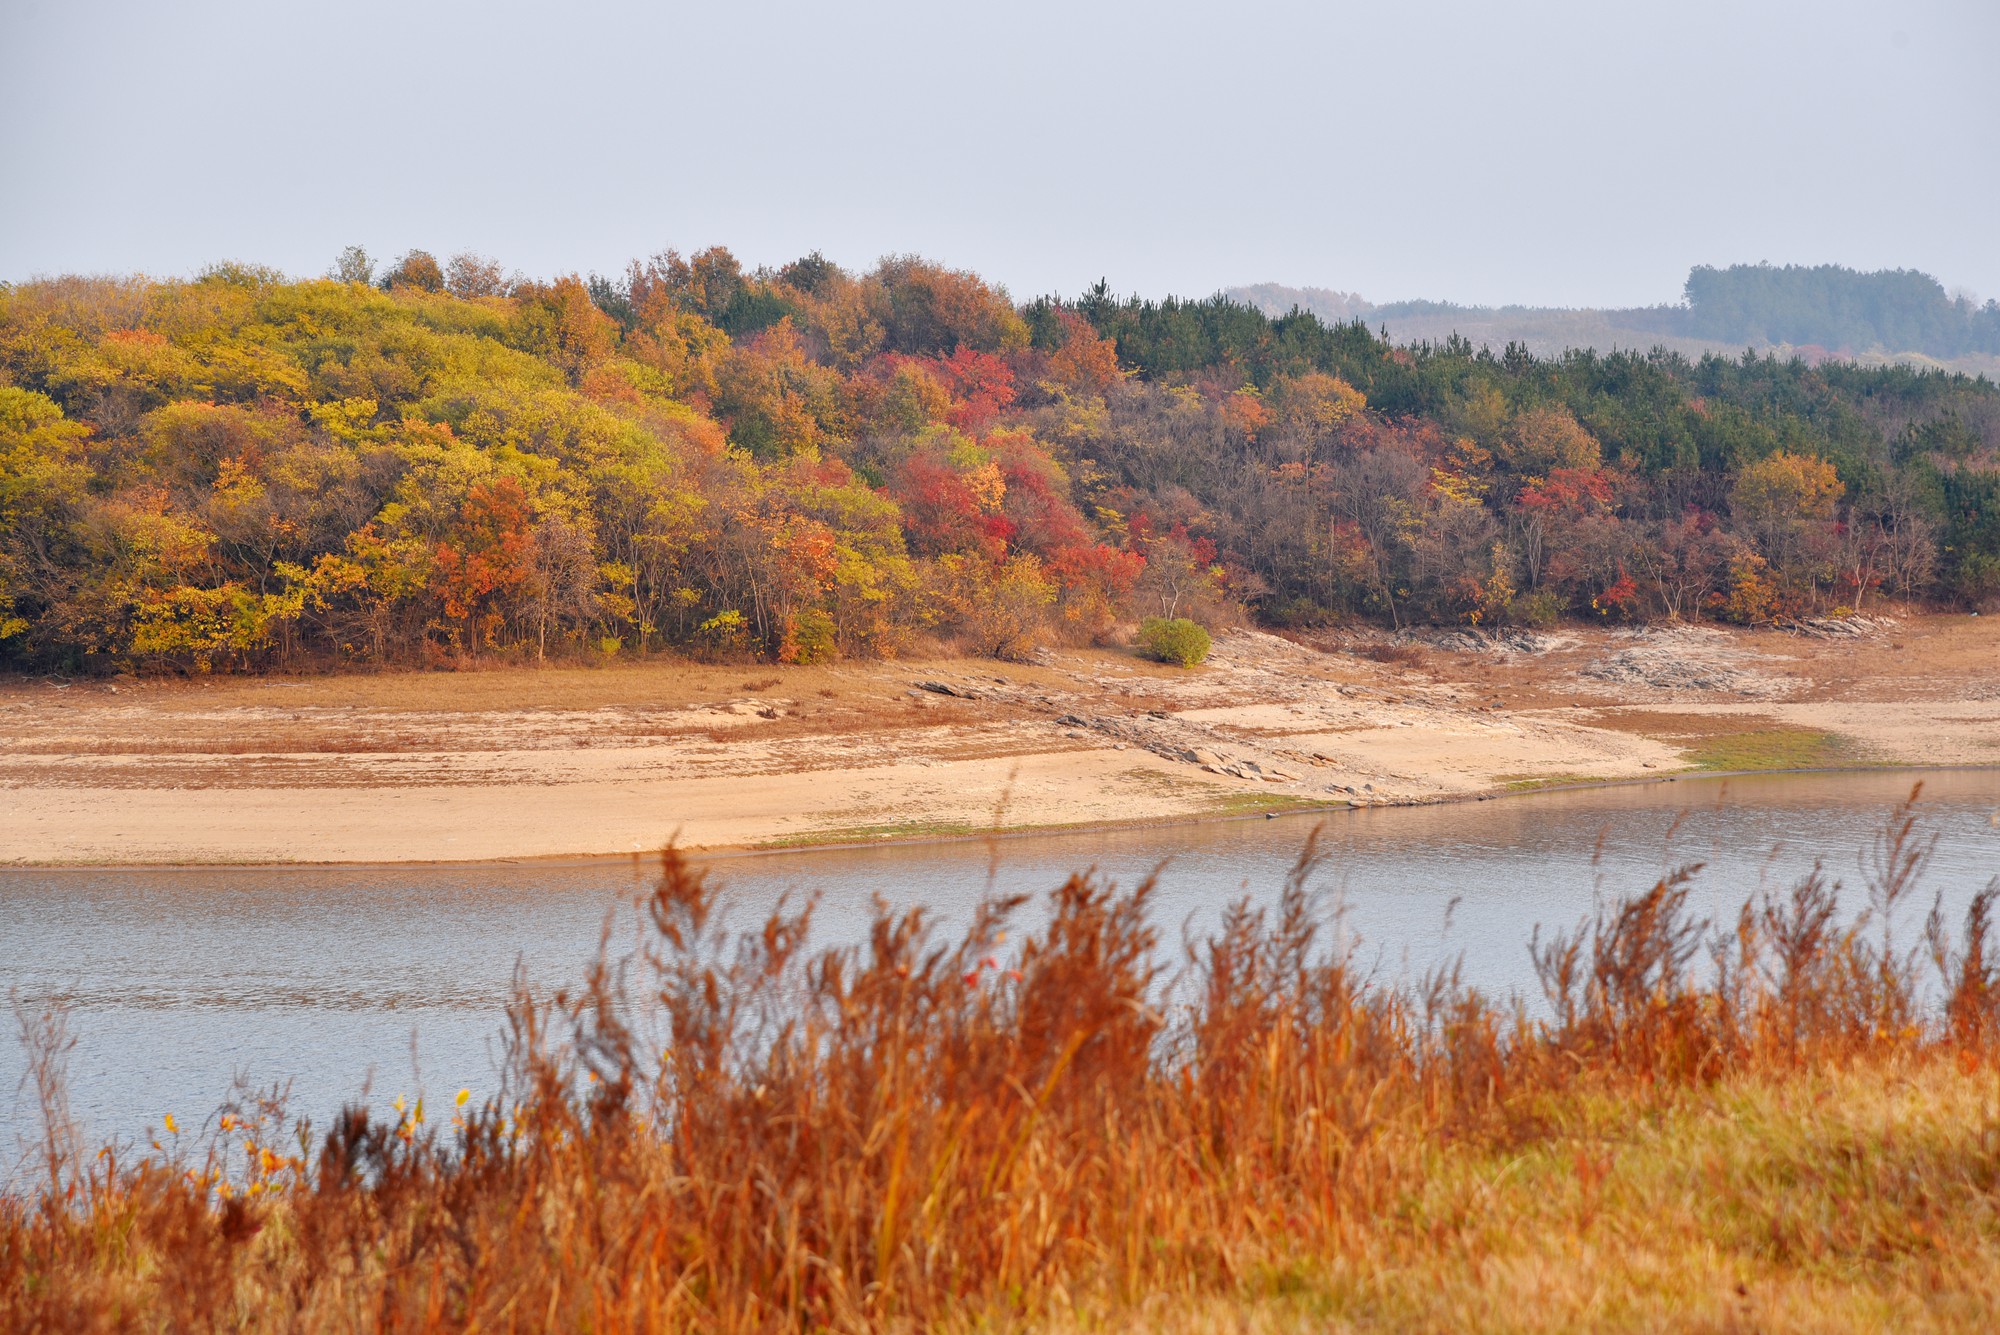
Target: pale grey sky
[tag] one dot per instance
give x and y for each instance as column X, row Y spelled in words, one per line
column 1545, row 153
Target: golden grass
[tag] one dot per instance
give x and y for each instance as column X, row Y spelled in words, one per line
column 1858, row 1198
column 1046, row 1133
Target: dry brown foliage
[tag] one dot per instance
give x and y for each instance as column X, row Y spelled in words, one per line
column 1398, row 655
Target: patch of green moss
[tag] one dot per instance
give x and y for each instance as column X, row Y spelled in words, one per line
column 1774, row 748
column 1251, row 804
column 1528, row 783
column 866, row 834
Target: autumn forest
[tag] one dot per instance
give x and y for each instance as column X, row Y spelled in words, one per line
column 444, row 463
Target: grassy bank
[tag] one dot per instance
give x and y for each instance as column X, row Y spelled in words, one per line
column 1790, row 1120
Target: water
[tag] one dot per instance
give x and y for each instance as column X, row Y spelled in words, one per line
column 392, row 979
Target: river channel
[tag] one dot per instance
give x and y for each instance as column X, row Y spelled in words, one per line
column 392, row 979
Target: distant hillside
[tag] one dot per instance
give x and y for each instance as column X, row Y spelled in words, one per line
column 1275, row 299
column 1819, row 312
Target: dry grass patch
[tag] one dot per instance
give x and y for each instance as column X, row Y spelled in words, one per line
column 1855, row 1199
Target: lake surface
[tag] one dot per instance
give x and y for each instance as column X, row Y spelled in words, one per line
column 393, row 978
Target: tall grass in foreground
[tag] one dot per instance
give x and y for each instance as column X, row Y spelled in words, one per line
column 1779, row 1123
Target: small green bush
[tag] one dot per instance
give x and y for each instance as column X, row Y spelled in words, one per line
column 1174, row 640
column 1539, row 609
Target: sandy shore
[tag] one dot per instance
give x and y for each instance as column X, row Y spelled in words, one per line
column 516, row 763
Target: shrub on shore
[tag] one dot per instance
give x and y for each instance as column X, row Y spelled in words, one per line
column 1174, row 640
column 916, row 1133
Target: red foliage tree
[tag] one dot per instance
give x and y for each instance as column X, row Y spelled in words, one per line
column 1037, row 500
column 981, row 387
column 947, row 508
column 485, row 558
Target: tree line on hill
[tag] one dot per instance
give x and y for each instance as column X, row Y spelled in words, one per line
column 446, row 463
column 1826, row 305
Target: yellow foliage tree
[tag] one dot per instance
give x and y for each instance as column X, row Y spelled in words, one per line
column 1315, row 403
column 1787, row 502
column 1543, row 439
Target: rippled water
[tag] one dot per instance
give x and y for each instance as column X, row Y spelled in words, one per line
column 393, row 978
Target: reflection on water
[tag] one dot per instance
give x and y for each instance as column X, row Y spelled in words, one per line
column 180, row 981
